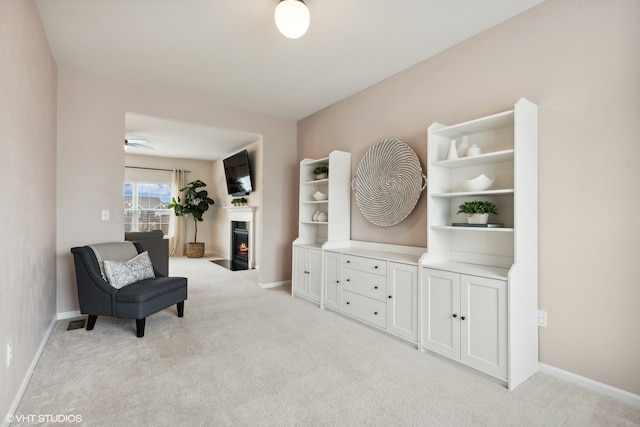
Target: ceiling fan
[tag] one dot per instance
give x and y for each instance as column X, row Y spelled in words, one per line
column 137, row 143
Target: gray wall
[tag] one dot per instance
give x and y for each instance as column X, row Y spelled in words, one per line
column 28, row 214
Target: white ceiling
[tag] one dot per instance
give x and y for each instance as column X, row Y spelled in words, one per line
column 231, row 51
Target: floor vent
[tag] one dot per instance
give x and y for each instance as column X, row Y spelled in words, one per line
column 76, row 324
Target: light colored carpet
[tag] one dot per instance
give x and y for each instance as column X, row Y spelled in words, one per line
column 245, row 356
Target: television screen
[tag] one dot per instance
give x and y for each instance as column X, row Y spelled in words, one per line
column 238, row 174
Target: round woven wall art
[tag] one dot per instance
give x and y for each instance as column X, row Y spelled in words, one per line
column 388, row 182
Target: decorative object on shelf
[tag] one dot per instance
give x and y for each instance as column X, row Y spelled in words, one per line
column 453, row 151
column 464, row 146
column 479, row 183
column 388, row 182
column 242, row 201
column 196, row 203
column 477, row 211
column 314, row 217
column 292, row 18
column 321, row 172
column 319, row 196
column 322, row 217
column 474, row 150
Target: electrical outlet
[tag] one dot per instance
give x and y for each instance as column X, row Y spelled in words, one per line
column 542, row 318
column 9, row 354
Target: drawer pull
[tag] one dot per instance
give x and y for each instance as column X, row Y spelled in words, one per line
column 375, row 287
column 347, row 302
column 390, row 296
column 337, row 281
column 348, row 261
column 455, row 315
column 375, row 266
column 375, row 312
column 462, row 317
column 348, row 280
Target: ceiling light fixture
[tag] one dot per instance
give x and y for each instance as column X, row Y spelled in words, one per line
column 292, row 18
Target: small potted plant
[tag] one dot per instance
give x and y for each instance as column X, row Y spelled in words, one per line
column 321, row 172
column 477, row 211
column 196, row 202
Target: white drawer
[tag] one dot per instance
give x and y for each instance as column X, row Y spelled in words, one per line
column 366, row 309
column 368, row 265
column 367, row 284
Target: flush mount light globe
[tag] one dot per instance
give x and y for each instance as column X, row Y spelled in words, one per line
column 292, row 18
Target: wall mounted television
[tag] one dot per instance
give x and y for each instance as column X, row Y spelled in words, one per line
column 237, row 171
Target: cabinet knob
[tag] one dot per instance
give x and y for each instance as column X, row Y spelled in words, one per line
column 375, row 287
column 348, row 280
column 375, row 312
column 375, row 266
column 390, row 296
column 347, row 302
column 455, row 315
column 337, row 281
column 462, row 317
column 348, row 261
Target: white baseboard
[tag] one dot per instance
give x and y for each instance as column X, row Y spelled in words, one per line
column 274, row 284
column 68, row 315
column 595, row 386
column 27, row 377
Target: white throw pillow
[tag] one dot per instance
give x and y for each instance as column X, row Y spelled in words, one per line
column 123, row 273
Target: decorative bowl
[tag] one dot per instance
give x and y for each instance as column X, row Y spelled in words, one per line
column 319, row 196
column 478, row 183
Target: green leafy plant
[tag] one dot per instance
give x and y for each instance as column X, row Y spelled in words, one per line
column 477, row 207
column 320, row 170
column 196, row 203
column 239, row 201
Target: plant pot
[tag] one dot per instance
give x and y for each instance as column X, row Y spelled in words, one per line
column 195, row 250
column 477, row 218
column 321, row 176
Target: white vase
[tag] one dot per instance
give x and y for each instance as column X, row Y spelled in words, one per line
column 474, row 150
column 315, row 216
column 322, row 217
column 463, row 147
column 477, row 218
column 453, row 152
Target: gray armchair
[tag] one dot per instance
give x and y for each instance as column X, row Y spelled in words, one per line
column 135, row 301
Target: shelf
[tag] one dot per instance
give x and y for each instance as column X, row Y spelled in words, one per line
column 315, row 202
column 505, row 191
column 472, row 229
column 316, row 182
column 484, row 124
column 482, row 159
column 314, row 162
column 471, row 269
column 315, row 222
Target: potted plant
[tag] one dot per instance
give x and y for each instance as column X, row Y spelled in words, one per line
column 196, row 202
column 477, row 211
column 321, row 172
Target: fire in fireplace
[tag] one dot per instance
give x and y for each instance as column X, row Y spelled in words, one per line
column 240, row 247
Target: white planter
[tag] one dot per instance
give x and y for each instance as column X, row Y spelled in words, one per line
column 477, row 218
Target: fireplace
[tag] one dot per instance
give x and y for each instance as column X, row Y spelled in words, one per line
column 239, row 246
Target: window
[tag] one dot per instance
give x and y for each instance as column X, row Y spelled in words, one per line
column 145, row 206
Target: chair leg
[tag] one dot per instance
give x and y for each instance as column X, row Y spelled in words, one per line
column 140, row 327
column 180, row 306
column 91, row 321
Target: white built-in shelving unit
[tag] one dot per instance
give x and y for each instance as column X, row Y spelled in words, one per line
column 479, row 286
column 312, row 234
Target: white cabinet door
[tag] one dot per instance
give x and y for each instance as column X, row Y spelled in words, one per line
column 300, row 285
column 402, row 302
column 314, row 267
column 483, row 323
column 441, row 312
column 332, row 286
